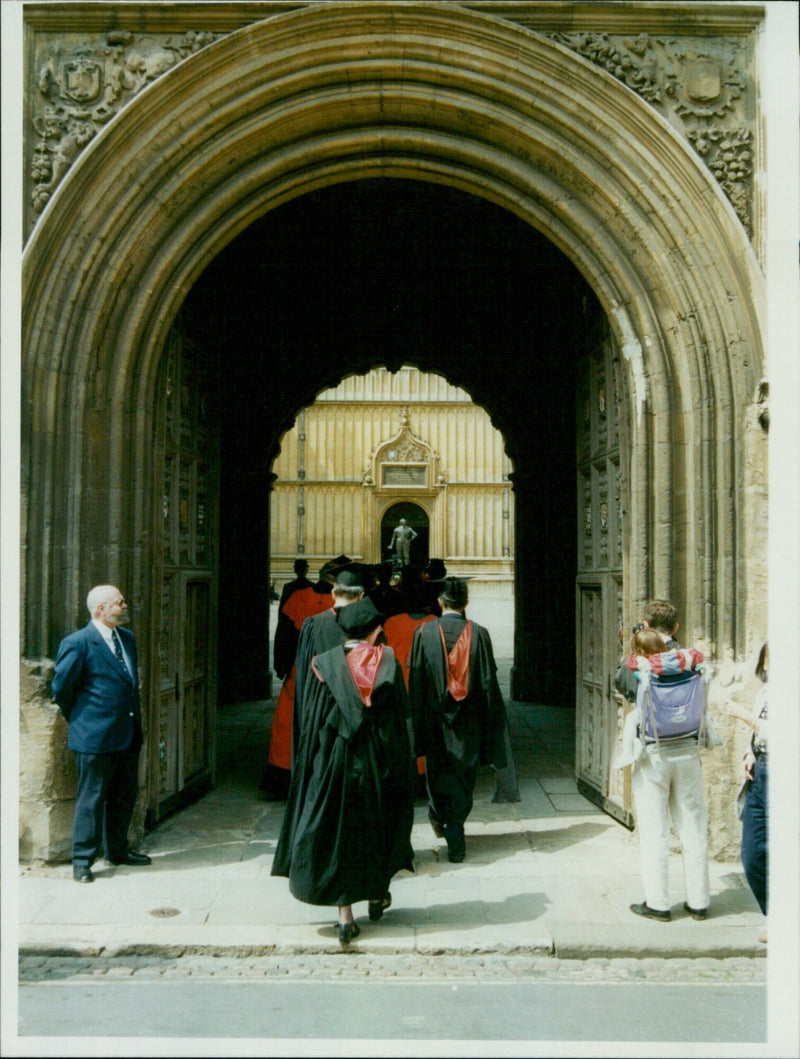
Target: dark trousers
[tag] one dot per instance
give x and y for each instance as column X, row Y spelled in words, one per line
column 754, row 833
column 107, row 788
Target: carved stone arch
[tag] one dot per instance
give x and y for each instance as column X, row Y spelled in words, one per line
column 337, row 92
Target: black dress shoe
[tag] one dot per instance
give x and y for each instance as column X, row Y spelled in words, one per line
column 651, row 913
column 377, row 908
column 696, row 913
column 131, row 858
column 456, row 842
column 347, row 931
column 82, row 873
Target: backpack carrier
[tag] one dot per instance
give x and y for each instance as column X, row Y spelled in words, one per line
column 672, row 709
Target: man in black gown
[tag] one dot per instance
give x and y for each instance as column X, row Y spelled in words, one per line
column 321, row 631
column 458, row 715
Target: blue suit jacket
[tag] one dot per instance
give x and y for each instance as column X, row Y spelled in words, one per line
column 96, row 696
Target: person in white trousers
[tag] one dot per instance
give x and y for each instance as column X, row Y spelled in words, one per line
column 665, row 787
column 667, row 784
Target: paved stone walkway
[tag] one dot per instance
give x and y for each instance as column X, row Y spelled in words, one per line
column 550, row 877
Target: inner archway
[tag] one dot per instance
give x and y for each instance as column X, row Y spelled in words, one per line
column 415, row 517
column 394, row 272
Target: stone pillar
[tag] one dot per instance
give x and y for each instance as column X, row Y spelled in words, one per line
column 47, row 777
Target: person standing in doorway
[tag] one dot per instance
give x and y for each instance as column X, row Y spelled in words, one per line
column 458, row 715
column 661, row 616
column 666, row 778
column 96, row 687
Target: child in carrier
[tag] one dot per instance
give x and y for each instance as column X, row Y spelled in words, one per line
column 661, row 741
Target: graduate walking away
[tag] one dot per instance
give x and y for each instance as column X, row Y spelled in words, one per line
column 347, row 826
column 458, row 715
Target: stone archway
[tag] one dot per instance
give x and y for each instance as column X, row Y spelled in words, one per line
column 339, row 92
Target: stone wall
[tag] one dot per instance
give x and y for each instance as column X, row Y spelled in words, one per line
column 47, row 769
column 47, row 776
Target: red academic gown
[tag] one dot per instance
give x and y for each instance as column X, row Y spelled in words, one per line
column 300, row 605
column 399, row 632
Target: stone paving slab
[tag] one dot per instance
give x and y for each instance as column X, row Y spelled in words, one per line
column 551, row 876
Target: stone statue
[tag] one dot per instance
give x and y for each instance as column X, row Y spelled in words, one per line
column 401, row 540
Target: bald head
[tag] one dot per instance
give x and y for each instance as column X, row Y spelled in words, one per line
column 107, row 604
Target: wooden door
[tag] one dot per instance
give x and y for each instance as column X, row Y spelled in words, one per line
column 184, row 750
column 599, row 593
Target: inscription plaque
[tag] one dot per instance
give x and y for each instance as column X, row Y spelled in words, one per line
column 405, row 474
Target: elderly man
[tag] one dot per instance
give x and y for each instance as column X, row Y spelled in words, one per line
column 96, row 687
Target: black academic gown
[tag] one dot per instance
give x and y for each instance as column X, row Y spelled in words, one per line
column 454, row 737
column 347, row 826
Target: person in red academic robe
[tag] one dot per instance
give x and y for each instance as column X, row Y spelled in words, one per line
column 399, row 633
column 306, row 600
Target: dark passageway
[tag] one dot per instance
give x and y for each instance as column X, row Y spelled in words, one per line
column 391, row 272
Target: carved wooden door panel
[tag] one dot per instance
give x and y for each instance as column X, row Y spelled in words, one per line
column 599, row 592
column 184, row 749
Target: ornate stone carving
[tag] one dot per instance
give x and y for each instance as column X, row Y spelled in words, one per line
column 700, row 85
column 729, row 154
column 82, row 82
column 404, row 461
column 629, row 59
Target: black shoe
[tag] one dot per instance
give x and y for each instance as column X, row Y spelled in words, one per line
column 696, row 913
column 377, row 908
column 436, row 824
column 651, row 913
column 82, row 873
column 347, row 931
column 275, row 784
column 134, row 859
column 456, row 843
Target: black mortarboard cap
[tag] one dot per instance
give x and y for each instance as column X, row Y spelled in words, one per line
column 353, row 575
column 357, row 620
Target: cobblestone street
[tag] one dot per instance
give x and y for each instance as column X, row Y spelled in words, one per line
column 489, row 967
